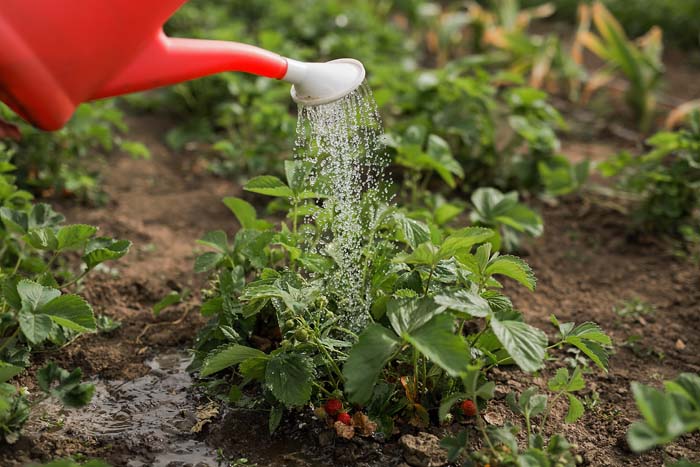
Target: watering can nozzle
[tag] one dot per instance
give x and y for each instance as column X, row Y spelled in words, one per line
column 321, row 83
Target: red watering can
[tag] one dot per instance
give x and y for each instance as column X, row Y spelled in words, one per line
column 56, row 54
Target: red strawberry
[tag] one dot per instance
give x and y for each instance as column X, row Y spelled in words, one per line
column 468, row 408
column 344, row 417
column 333, row 406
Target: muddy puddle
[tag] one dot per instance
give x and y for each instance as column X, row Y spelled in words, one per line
column 152, row 416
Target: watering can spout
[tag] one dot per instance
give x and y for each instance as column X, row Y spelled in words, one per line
column 168, row 61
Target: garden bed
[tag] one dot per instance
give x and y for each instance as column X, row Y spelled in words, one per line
column 589, row 268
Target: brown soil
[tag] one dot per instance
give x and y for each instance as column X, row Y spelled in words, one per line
column 587, row 264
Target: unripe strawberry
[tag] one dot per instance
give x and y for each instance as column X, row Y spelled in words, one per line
column 333, row 406
column 344, row 417
column 468, row 408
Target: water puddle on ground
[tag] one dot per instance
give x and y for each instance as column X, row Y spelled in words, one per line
column 152, row 416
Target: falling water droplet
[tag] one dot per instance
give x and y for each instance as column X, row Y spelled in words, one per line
column 341, row 141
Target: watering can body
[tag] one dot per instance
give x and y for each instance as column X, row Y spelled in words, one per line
column 56, row 54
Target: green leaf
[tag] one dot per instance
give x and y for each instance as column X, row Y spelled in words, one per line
column 74, row 237
column 7, row 372
column 15, row 221
column 446, row 212
column 207, row 261
column 224, row 358
column 406, row 315
column 366, row 360
column 513, row 267
column 35, row 327
column 463, row 240
column 411, row 231
column 171, row 299
column 275, row 419
column 103, row 249
column 270, row 186
column 524, row 343
column 43, row 215
column 43, row 238
column 576, row 409
column 425, row 254
column 245, row 213
column 64, row 385
column 561, row 381
column 438, row 341
column 455, row 444
column 589, row 338
column 289, row 376
column 464, row 301
column 72, row 312
column 9, row 292
column 216, row 239
column 34, row 296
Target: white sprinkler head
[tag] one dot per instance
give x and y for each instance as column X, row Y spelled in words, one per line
column 321, row 83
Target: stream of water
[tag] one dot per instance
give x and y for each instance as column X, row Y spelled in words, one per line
column 341, row 141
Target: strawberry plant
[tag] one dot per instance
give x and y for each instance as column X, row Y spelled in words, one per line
column 667, row 414
column 504, row 214
column 53, row 381
column 434, row 305
column 37, row 308
column 664, row 182
column 65, row 161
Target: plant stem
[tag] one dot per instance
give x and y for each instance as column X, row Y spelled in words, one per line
column 415, row 373
column 75, row 279
column 482, row 428
column 427, row 284
column 549, row 409
column 329, row 360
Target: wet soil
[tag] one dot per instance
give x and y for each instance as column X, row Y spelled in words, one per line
column 587, row 262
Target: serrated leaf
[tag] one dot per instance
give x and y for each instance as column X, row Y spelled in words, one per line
column 103, row 249
column 245, row 213
column 425, row 254
column 9, row 292
column 227, row 357
column 171, row 299
column 207, row 261
column 33, row 296
column 7, row 371
column 35, row 327
column 73, row 237
column 513, row 267
column 463, row 240
column 270, row 186
column 437, row 340
column 43, row 238
column 524, row 343
column 289, row 376
column 15, row 221
column 216, row 239
column 64, row 385
column 406, row 315
column 591, row 349
column 576, row 409
column 366, row 360
column 275, row 418
column 411, row 231
column 464, row 301
column 72, row 312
